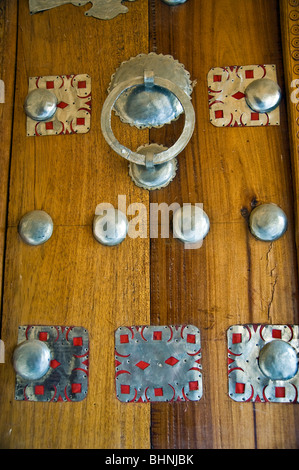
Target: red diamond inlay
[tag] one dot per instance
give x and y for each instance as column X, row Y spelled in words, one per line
column 158, row 392
column 54, row 364
column 62, row 105
column 239, row 95
column 142, row 365
column 171, row 361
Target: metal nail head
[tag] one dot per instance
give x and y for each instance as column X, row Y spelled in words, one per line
column 268, row 222
column 278, row 360
column 36, row 227
column 263, row 95
column 111, row 228
column 190, row 224
column 40, row 104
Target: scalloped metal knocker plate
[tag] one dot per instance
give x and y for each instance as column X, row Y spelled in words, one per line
column 67, row 377
column 158, row 363
column 101, row 9
column 249, row 380
column 226, row 94
column 73, row 113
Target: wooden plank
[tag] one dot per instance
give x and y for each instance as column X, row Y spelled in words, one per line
column 72, row 279
column 232, row 278
column 8, row 44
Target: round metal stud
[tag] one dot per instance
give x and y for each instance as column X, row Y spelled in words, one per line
column 268, row 222
column 36, row 227
column 174, row 2
column 110, row 229
column 40, row 104
column 31, row 359
column 147, row 106
column 165, row 155
column 190, row 224
column 154, row 176
column 263, row 95
column 278, row 360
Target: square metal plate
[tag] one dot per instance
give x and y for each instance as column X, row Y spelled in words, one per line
column 67, row 378
column 227, row 104
column 246, row 381
column 73, row 115
column 158, row 363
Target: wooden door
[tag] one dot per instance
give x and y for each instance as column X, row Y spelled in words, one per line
column 73, row 280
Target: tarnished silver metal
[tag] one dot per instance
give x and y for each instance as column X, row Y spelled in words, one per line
column 31, row 359
column 190, row 224
column 158, row 363
column 36, row 227
column 40, row 104
column 263, row 95
column 65, row 356
column 263, row 363
column 278, row 360
column 110, row 228
column 268, row 222
column 174, row 2
column 149, row 104
column 101, row 9
column 149, row 176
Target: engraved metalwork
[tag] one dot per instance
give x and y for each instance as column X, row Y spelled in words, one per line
column 190, row 224
column 73, row 105
column 110, row 229
column 36, row 227
column 101, row 9
column 67, row 377
column 227, row 96
column 150, row 105
column 153, row 177
column 268, row 222
column 158, row 363
column 263, row 363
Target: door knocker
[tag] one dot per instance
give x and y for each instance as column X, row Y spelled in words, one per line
column 150, row 91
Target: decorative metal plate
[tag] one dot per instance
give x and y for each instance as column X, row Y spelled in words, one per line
column 101, row 9
column 226, row 89
column 67, row 378
column 247, row 382
column 73, row 115
column 158, row 363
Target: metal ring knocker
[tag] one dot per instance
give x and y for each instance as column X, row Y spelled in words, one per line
column 150, row 160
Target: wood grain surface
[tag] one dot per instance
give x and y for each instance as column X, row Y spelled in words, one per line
column 289, row 21
column 232, row 278
column 73, row 280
